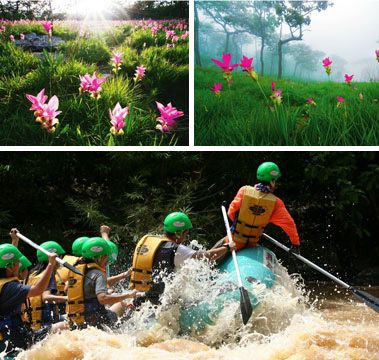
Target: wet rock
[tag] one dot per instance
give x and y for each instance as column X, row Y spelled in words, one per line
column 37, row 43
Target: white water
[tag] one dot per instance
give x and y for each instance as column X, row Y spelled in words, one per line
column 286, row 325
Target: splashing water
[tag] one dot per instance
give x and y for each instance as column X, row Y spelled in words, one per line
column 287, row 324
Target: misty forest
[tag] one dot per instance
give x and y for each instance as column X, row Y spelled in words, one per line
column 301, row 82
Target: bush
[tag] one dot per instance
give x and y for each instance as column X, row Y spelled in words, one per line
column 118, row 35
column 15, row 62
column 60, row 31
column 142, row 38
column 91, row 51
column 177, row 55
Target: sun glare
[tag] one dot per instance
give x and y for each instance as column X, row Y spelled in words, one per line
column 92, row 9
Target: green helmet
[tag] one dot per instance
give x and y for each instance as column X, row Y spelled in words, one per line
column 176, row 222
column 95, row 247
column 24, row 263
column 114, row 252
column 9, row 254
column 50, row 246
column 78, row 244
column 268, row 171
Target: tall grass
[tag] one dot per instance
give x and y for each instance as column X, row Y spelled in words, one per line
column 242, row 116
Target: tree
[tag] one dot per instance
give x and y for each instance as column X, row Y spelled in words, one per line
column 158, row 9
column 296, row 15
column 305, row 58
column 25, row 9
column 197, row 42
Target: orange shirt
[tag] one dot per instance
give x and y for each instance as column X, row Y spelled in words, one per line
column 280, row 216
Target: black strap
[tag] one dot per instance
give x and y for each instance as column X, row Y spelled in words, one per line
column 246, row 236
column 75, row 302
column 143, row 271
column 141, row 282
column 247, row 225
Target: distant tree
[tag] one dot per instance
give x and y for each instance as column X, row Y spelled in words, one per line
column 25, row 9
column 296, row 15
column 305, row 58
column 158, row 9
column 196, row 36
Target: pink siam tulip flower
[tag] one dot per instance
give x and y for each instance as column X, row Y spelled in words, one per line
column 217, row 88
column 91, row 84
column 310, row 101
column 116, row 61
column 48, row 26
column 140, row 73
column 11, row 38
column 276, row 95
column 224, row 65
column 46, row 114
column 246, row 63
column 154, row 30
column 175, row 39
column 348, row 79
column 2, row 29
column 38, row 102
column 185, row 35
column 168, row 117
column 326, row 63
column 169, row 34
column 340, row 101
column 117, row 117
column 22, row 36
column 377, row 55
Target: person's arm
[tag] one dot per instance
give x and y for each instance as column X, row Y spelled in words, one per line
column 282, row 218
column 117, row 278
column 235, row 205
column 214, row 254
column 110, row 299
column 43, row 283
column 104, row 232
column 13, row 235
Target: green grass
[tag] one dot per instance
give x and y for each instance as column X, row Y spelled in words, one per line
column 243, row 116
column 85, row 121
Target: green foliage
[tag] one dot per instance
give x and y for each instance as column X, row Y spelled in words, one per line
column 14, row 61
column 117, row 35
column 91, row 51
column 242, row 115
column 64, row 33
column 143, row 38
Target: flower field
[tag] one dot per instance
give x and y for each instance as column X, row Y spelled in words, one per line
column 124, row 85
column 234, row 107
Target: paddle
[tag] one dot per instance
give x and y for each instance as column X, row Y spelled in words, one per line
column 60, row 261
column 246, row 309
column 367, row 298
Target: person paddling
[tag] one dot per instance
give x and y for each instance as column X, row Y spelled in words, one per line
column 156, row 256
column 255, row 206
column 16, row 334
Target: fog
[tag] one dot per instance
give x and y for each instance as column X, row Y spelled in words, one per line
column 347, row 32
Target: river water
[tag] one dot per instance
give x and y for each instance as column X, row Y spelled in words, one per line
column 294, row 321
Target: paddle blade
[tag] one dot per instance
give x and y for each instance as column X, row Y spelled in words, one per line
column 368, row 299
column 246, row 308
column 72, row 268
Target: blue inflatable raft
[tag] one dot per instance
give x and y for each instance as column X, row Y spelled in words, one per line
column 255, row 265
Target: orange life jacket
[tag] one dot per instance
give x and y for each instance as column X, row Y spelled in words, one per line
column 254, row 215
column 34, row 305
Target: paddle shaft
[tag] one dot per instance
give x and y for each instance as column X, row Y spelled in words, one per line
column 230, row 239
column 308, row 262
column 33, row 244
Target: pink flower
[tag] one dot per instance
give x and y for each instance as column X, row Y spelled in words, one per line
column 116, row 61
column 377, row 55
column 224, row 65
column 169, row 34
column 310, row 101
column 118, row 116
column 276, row 95
column 2, row 29
column 11, row 38
column 22, row 36
column 217, row 88
column 168, row 117
column 140, row 73
column 46, row 114
column 48, row 26
column 348, row 79
column 246, row 63
column 91, row 84
column 37, row 102
column 326, row 63
column 185, row 35
column 154, row 30
column 175, row 39
column 340, row 99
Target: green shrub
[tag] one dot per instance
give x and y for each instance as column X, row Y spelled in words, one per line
column 91, row 51
column 61, row 31
column 14, row 61
column 118, row 35
column 143, row 38
column 177, row 55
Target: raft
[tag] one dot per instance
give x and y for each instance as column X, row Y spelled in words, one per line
column 255, row 265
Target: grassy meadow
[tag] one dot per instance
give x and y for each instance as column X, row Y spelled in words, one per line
column 84, row 118
column 244, row 113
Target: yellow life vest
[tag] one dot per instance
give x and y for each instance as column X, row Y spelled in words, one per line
column 34, row 305
column 6, row 281
column 75, row 306
column 254, row 215
column 141, row 275
column 62, row 274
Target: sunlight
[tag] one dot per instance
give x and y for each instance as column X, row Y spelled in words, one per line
column 92, row 9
